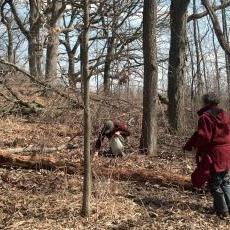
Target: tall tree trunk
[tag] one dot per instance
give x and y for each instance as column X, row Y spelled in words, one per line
column 148, row 142
column 56, row 9
column 192, row 70
column 216, row 63
column 32, row 56
column 39, row 54
column 52, row 55
column 87, row 119
column 227, row 57
column 202, row 57
column 176, row 69
column 7, row 21
column 31, row 34
column 71, row 71
column 33, row 39
column 10, row 46
column 108, row 61
column 198, row 69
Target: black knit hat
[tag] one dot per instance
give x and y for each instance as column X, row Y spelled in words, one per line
column 211, row 99
column 108, row 126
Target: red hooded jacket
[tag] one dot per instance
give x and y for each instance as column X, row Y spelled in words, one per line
column 212, row 141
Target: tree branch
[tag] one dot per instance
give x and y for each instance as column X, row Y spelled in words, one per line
column 205, row 13
column 217, row 28
column 18, row 20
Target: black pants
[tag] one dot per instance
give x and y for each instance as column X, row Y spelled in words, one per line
column 219, row 185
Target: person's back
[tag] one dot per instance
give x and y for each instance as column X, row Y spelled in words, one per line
column 116, row 132
column 212, row 142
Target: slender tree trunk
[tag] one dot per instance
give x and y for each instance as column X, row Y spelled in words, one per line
column 148, row 142
column 87, row 119
column 176, row 69
column 10, row 46
column 32, row 56
column 192, row 70
column 71, row 71
column 198, row 69
column 227, row 57
column 39, row 54
column 216, row 63
column 202, row 57
column 34, row 34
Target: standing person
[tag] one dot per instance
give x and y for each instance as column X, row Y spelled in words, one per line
column 117, row 133
column 212, row 142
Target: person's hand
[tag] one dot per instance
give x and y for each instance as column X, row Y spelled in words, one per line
column 118, row 133
column 187, row 148
column 95, row 155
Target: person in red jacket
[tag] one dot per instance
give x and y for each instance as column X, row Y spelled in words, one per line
column 117, row 133
column 212, row 142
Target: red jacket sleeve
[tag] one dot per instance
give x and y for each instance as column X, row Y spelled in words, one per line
column 123, row 129
column 203, row 136
column 191, row 142
column 205, row 132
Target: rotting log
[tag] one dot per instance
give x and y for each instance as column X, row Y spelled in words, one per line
column 36, row 162
column 167, row 179
column 33, row 149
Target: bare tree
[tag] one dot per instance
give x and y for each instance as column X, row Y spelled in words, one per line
column 176, row 68
column 87, row 119
column 148, row 143
column 8, row 22
column 198, row 69
column 227, row 57
column 32, row 34
column 53, row 13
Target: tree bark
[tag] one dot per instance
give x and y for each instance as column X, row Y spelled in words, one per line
column 148, row 142
column 198, row 69
column 227, row 57
column 87, row 120
column 108, row 61
column 176, row 69
column 51, row 55
column 71, row 71
column 56, row 9
column 7, row 21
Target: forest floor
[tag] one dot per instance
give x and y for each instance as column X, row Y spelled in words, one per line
column 41, row 199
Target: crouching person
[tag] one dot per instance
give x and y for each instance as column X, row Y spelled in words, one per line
column 117, row 133
column 212, row 142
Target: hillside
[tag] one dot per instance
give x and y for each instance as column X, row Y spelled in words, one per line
column 42, row 199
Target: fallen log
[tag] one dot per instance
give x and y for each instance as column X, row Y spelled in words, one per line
column 167, row 179
column 32, row 149
column 36, row 162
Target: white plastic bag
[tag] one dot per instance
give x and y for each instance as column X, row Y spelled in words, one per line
column 116, row 144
